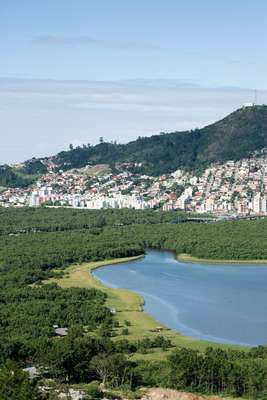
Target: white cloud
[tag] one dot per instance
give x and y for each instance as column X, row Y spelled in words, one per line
column 74, row 41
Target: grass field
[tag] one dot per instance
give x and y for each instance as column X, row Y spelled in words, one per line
column 129, row 307
column 192, row 259
column 94, row 170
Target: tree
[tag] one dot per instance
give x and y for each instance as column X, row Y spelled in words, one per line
column 101, row 365
column 114, row 370
column 16, row 385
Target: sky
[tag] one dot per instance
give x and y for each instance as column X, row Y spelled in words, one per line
column 74, row 70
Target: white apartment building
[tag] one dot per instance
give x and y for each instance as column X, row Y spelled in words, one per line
column 34, row 200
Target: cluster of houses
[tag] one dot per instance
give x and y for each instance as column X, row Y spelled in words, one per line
column 234, row 187
column 231, row 188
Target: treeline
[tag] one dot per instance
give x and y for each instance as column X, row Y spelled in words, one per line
column 227, row 372
column 44, row 219
column 25, row 259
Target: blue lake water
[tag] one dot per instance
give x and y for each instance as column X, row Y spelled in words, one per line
column 221, row 303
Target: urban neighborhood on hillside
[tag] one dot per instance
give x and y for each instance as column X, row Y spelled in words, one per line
column 232, row 188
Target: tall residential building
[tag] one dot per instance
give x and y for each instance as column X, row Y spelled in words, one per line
column 34, row 200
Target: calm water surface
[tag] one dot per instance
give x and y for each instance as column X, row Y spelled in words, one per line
column 222, row 303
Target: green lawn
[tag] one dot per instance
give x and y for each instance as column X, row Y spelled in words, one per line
column 129, row 307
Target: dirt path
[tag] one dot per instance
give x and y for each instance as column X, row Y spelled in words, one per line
column 168, row 394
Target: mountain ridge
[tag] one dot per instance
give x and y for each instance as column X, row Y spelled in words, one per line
column 236, row 136
column 233, row 137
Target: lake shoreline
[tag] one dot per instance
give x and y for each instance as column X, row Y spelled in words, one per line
column 188, row 258
column 151, row 297
column 130, row 306
column 192, row 259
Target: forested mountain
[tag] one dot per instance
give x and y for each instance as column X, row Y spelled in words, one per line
column 234, row 137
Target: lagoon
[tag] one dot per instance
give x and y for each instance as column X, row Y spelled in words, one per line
column 219, row 303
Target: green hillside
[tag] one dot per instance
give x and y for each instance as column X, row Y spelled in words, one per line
column 234, row 137
column 21, row 176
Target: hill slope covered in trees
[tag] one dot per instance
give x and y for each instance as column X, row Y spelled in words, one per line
column 234, row 137
column 22, row 176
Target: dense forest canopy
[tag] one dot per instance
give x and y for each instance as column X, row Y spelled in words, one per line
column 36, row 244
column 59, row 219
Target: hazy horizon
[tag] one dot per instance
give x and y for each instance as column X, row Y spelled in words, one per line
column 72, row 72
column 79, row 112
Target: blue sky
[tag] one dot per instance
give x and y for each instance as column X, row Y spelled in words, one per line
column 172, row 49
